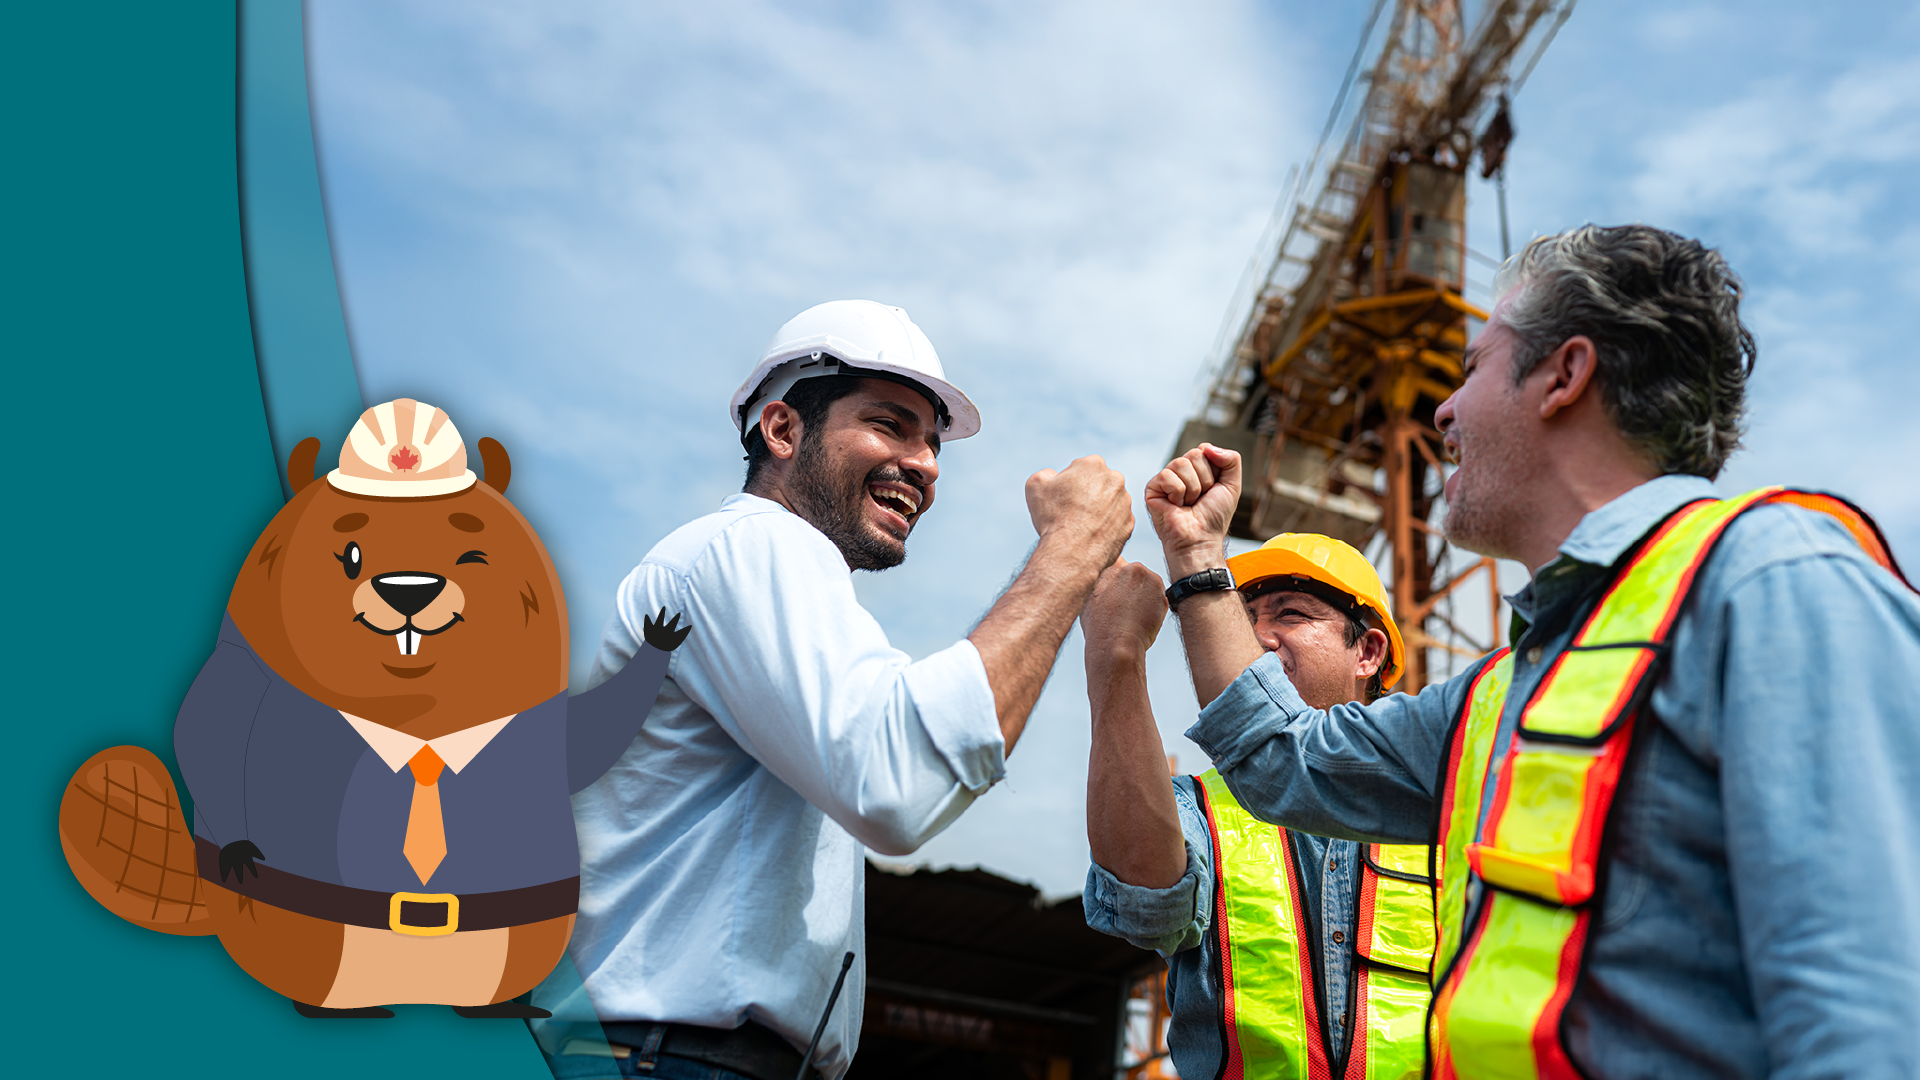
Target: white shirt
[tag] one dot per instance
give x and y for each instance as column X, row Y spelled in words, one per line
column 722, row 870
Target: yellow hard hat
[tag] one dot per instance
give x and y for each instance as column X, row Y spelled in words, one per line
column 1330, row 562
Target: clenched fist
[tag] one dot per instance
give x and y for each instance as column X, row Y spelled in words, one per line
column 1087, row 503
column 1191, row 502
column 1125, row 611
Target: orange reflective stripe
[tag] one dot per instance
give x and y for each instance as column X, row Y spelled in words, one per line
column 1865, row 531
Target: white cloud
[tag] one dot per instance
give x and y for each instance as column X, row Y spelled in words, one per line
column 1801, row 158
column 1676, row 28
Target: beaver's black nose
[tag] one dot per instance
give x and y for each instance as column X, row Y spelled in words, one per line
column 409, row 592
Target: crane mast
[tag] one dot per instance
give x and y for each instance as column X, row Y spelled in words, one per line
column 1355, row 332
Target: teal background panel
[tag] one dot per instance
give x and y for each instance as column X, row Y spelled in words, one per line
column 299, row 332
column 143, row 470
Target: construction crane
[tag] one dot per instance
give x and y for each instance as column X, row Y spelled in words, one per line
column 1333, row 360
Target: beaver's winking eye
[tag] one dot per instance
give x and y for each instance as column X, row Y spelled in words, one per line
column 350, row 560
column 472, row 556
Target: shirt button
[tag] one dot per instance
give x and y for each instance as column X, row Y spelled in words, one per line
column 1533, row 655
column 1333, row 864
column 1339, row 936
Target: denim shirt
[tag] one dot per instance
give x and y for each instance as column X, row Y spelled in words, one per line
column 1177, row 922
column 1761, row 905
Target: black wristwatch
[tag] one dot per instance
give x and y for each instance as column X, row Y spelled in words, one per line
column 1217, row 579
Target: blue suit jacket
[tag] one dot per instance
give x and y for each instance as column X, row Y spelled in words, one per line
column 265, row 762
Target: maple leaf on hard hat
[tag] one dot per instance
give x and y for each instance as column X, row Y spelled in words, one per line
column 404, row 459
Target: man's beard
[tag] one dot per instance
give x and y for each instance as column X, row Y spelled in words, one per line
column 834, row 500
column 1486, row 518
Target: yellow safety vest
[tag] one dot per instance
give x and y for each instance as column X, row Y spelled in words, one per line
column 1503, row 980
column 1272, row 1021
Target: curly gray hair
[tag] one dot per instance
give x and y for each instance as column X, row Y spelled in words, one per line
column 1664, row 315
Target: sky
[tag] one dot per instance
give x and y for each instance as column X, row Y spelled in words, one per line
column 575, row 226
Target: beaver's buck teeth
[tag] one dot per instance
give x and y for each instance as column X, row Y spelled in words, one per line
column 409, row 642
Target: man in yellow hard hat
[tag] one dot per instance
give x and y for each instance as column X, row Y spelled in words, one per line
column 1288, row 954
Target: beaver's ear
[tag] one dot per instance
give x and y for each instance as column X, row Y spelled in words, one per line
column 300, row 464
column 498, row 466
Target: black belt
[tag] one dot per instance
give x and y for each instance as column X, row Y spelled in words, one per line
column 750, row 1049
column 420, row 914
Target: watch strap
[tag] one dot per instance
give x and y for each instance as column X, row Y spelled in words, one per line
column 1216, row 579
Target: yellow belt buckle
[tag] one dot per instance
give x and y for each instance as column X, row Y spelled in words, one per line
column 447, row 898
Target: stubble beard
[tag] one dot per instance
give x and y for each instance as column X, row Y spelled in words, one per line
column 1483, row 516
column 832, row 496
column 1320, row 692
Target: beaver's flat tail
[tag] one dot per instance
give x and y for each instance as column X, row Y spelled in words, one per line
column 129, row 844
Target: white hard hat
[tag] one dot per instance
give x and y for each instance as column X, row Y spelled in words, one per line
column 402, row 449
column 861, row 335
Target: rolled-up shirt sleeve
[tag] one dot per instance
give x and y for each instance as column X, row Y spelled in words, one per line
column 803, row 679
column 1351, row 772
column 1820, row 769
column 1165, row 920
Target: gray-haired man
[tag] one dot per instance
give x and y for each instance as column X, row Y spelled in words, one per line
column 1676, row 823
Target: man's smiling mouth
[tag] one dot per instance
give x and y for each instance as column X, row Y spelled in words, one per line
column 902, row 499
column 408, row 634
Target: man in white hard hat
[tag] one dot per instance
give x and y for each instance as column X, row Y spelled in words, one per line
column 723, row 876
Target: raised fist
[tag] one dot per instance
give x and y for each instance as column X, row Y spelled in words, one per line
column 1125, row 612
column 1192, row 502
column 1088, row 501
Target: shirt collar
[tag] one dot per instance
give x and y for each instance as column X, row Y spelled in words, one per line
column 1604, row 534
column 1601, row 537
column 456, row 748
column 741, row 500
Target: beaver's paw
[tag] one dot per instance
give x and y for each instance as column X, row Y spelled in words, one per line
column 237, row 856
column 664, row 635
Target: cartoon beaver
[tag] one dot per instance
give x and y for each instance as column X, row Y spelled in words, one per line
column 381, row 748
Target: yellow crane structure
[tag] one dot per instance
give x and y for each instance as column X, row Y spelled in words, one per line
column 1332, row 363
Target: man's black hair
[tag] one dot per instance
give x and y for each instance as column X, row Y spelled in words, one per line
column 811, row 398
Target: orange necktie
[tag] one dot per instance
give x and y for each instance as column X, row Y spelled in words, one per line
column 426, row 835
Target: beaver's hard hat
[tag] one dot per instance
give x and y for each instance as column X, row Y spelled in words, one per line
column 403, row 449
column 852, row 337
column 1329, row 562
